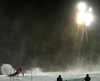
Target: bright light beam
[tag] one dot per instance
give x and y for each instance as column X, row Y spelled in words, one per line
column 77, row 31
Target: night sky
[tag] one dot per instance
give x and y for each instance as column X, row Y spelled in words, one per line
column 42, row 33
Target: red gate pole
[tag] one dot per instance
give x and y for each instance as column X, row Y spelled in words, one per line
column 17, row 69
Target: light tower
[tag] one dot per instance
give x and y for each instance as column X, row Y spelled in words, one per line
column 84, row 18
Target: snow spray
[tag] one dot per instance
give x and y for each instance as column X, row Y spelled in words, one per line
column 31, row 73
column 5, row 69
column 13, row 76
column 10, row 74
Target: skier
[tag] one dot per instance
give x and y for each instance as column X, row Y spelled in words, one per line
column 59, row 78
column 17, row 72
column 87, row 78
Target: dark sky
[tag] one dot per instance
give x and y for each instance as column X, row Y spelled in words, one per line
column 42, row 33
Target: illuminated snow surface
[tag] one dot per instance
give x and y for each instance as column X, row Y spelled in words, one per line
column 52, row 77
column 38, row 75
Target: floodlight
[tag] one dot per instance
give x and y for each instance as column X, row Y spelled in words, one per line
column 87, row 23
column 88, row 18
column 81, row 15
column 79, row 21
column 90, row 9
column 84, row 18
column 81, row 6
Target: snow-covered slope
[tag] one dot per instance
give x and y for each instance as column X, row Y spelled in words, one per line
column 51, row 77
column 38, row 75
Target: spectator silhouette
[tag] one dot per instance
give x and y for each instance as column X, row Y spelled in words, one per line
column 59, row 78
column 87, row 78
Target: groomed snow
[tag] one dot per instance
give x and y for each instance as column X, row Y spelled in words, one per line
column 51, row 77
